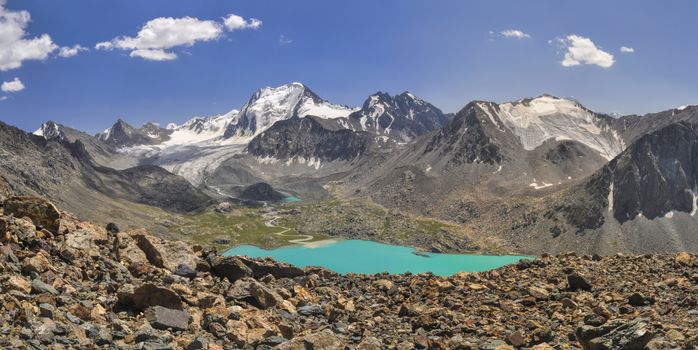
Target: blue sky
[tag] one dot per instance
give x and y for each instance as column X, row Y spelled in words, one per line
column 447, row 52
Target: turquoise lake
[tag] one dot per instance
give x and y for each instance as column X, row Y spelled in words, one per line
column 292, row 199
column 371, row 257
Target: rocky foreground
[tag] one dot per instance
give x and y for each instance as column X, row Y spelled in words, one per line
column 70, row 284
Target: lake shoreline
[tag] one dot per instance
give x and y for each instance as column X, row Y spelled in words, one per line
column 370, row 257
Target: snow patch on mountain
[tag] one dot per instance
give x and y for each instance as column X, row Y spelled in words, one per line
column 537, row 120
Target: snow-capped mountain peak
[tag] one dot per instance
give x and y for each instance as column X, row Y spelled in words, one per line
column 403, row 116
column 536, row 120
column 200, row 129
column 50, row 131
column 271, row 104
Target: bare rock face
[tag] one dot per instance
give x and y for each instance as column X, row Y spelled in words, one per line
column 41, row 212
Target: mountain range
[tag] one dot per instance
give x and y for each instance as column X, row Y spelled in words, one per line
column 537, row 174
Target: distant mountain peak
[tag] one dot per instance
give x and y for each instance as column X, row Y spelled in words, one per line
column 403, row 116
column 50, row 130
column 271, row 104
column 545, row 117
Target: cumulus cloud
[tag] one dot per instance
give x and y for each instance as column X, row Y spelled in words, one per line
column 581, row 50
column 12, row 86
column 514, row 34
column 15, row 46
column 625, row 49
column 235, row 22
column 153, row 54
column 70, row 51
column 158, row 36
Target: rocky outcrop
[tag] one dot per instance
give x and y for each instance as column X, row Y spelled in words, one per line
column 122, row 134
column 40, row 211
column 92, row 299
column 156, row 186
column 463, row 140
column 654, row 176
column 308, row 138
column 262, row 192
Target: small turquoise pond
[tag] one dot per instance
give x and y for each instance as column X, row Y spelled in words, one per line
column 371, row 257
column 292, row 199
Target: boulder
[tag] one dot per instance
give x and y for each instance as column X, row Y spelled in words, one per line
column 18, row 283
column 148, row 295
column 39, row 287
column 576, row 281
column 86, row 237
column 384, row 285
column 682, row 258
column 38, row 263
column 539, row 293
column 163, row 318
column 40, row 211
column 264, row 296
column 617, row 334
column 230, row 267
column 325, row 339
column 261, row 268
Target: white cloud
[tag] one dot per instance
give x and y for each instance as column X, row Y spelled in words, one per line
column 581, row 50
column 283, row 40
column 105, row 45
column 514, row 33
column 164, row 33
column 235, row 22
column 15, row 47
column 3, row 98
column 153, row 54
column 625, row 49
column 70, row 51
column 12, row 86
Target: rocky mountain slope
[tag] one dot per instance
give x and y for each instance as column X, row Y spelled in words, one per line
column 72, row 284
column 66, row 173
column 308, row 139
column 121, row 134
column 402, row 117
column 100, row 151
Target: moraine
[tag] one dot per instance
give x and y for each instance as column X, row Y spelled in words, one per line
column 358, row 256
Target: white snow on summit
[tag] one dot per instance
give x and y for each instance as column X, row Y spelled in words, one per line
column 270, row 105
column 198, row 129
column 545, row 117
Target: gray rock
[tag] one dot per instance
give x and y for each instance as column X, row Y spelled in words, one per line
column 46, row 310
column 39, row 287
column 309, row 310
column 617, row 335
column 163, row 318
